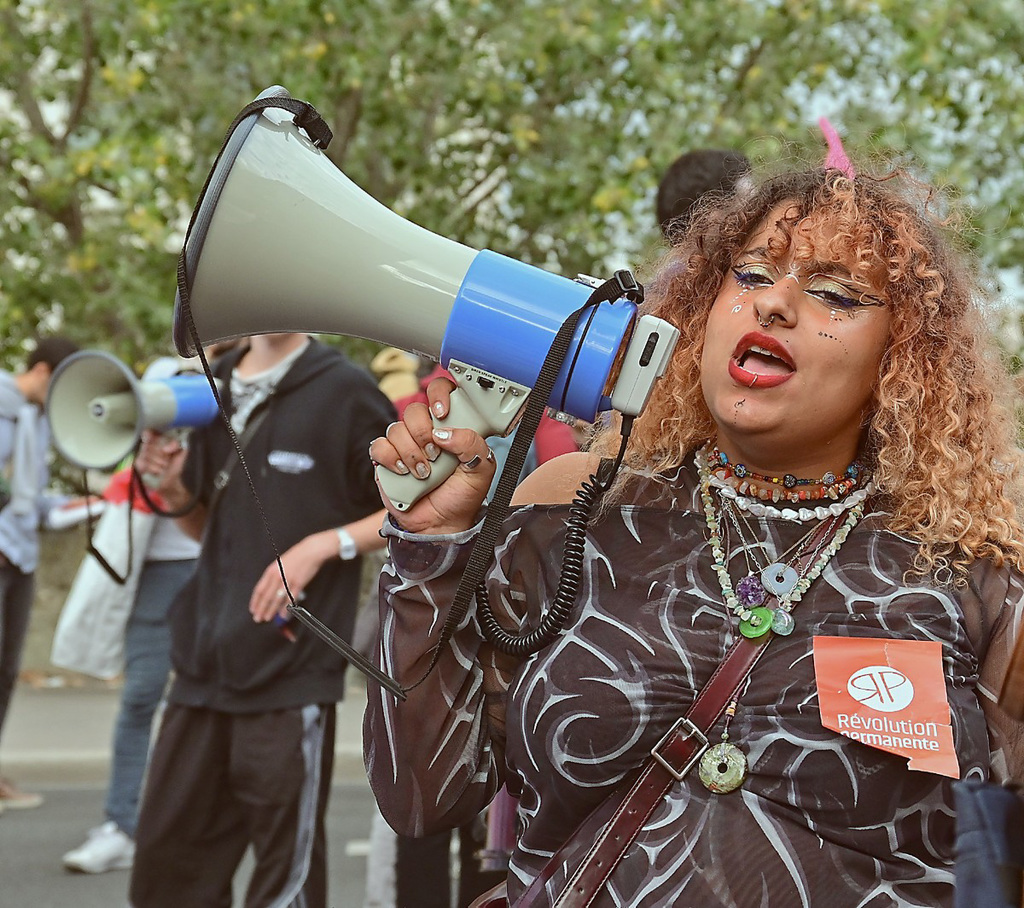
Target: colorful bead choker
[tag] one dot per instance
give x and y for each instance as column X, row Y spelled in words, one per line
column 783, row 488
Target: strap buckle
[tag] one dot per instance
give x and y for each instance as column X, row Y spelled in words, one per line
column 630, row 287
column 688, row 730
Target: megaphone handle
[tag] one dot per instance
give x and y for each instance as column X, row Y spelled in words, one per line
column 487, row 410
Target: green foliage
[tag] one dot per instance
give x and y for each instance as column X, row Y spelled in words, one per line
column 532, row 128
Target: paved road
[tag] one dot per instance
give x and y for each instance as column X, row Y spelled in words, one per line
column 57, row 742
column 32, row 842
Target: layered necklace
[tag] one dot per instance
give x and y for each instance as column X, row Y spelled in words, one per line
column 813, row 499
column 723, row 767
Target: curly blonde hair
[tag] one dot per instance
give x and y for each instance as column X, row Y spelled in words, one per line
column 941, row 441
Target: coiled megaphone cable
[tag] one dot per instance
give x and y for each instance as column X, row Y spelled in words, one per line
column 471, row 582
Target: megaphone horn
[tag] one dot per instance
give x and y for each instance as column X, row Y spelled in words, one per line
column 97, row 408
column 282, row 241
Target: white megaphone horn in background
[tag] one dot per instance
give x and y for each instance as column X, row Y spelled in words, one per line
column 282, row 241
column 98, row 409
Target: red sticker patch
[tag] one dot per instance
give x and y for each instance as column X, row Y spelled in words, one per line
column 890, row 695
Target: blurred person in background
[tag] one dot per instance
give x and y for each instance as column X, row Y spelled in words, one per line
column 24, row 505
column 168, row 562
column 697, row 177
column 245, row 751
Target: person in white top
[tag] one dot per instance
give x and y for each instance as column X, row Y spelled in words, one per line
column 169, row 562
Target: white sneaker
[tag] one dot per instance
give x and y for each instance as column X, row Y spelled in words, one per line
column 106, row 848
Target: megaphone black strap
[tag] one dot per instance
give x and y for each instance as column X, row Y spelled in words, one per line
column 306, row 117
column 622, row 284
column 115, row 575
column 155, row 505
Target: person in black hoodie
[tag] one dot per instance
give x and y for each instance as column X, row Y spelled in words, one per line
column 245, row 750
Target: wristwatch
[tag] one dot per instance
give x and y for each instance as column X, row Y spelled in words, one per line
column 346, row 545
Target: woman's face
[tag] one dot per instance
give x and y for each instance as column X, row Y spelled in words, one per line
column 792, row 354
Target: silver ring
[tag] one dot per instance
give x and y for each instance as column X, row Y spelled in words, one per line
column 388, row 429
column 476, row 460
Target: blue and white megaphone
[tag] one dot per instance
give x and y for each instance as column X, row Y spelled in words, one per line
column 98, row 409
column 283, row 241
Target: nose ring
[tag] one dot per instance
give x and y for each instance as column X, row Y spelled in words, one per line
column 767, row 324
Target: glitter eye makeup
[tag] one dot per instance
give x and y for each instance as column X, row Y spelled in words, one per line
column 835, row 294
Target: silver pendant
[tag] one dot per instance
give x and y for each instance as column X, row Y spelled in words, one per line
column 722, row 768
column 779, row 579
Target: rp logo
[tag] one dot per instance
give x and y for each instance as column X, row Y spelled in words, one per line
column 881, row 687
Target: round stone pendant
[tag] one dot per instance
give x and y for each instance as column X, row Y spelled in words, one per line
column 779, row 579
column 782, row 622
column 758, row 624
column 722, row 768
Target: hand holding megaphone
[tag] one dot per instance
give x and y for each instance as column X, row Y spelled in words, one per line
column 160, row 459
column 430, row 440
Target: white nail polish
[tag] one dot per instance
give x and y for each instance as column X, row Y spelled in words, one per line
column 439, row 408
column 442, row 434
column 422, row 470
column 401, row 467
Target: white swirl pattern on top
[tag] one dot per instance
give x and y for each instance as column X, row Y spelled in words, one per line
column 820, row 820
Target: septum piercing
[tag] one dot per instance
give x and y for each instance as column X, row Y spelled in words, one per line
column 767, row 324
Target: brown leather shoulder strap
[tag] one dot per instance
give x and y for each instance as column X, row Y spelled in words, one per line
column 630, row 805
column 616, row 821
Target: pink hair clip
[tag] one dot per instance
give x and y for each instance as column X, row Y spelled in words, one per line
column 837, row 159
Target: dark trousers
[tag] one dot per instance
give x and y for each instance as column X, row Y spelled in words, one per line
column 219, row 782
column 17, row 591
column 423, row 871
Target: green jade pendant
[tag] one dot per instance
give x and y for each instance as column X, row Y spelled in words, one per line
column 757, row 624
column 722, row 768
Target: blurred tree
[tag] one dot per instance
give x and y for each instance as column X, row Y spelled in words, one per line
column 535, row 129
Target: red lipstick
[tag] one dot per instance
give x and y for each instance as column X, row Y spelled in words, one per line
column 765, row 348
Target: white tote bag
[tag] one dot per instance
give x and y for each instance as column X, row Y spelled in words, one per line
column 90, row 631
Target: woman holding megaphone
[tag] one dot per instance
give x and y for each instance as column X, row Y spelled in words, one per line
column 747, row 660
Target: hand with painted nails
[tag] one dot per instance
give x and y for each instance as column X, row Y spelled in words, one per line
column 412, row 447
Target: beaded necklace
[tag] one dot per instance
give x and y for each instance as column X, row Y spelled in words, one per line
column 787, row 487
